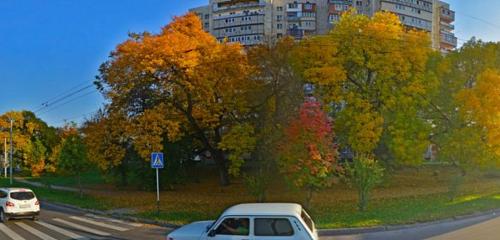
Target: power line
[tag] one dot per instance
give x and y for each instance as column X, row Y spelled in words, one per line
column 66, row 102
column 481, row 20
column 62, row 98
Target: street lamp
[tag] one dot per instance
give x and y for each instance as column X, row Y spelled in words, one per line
column 11, row 149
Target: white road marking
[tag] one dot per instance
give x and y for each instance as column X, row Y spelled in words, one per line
column 10, row 233
column 114, row 220
column 83, row 228
column 34, row 231
column 100, row 224
column 62, row 231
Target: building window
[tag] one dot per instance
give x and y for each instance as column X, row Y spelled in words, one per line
column 279, row 8
column 279, row 35
column 279, row 26
column 279, row 17
column 207, row 16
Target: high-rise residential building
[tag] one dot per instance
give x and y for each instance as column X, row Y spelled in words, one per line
column 254, row 21
column 444, row 32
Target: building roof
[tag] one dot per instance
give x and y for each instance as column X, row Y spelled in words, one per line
column 288, row 209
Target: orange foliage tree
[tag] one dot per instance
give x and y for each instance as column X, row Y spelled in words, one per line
column 179, row 82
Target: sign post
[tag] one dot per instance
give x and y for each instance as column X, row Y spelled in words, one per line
column 157, row 163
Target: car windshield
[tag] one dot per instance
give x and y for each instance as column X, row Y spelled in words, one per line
column 22, row 195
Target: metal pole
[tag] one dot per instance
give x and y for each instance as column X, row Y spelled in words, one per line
column 157, row 193
column 5, row 158
column 11, row 149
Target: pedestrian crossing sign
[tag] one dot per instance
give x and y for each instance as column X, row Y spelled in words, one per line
column 157, row 160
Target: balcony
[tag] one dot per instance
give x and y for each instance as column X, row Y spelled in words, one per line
column 237, row 5
column 424, row 5
column 447, row 15
column 449, row 39
column 447, row 26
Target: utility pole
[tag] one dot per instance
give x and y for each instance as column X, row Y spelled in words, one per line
column 11, row 149
column 5, row 157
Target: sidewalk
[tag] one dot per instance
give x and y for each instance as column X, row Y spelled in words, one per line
column 39, row 184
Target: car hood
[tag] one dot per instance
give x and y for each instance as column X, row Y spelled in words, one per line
column 192, row 231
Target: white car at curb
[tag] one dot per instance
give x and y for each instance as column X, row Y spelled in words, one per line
column 253, row 221
column 18, row 203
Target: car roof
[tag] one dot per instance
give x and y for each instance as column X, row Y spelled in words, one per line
column 264, row 209
column 16, row 189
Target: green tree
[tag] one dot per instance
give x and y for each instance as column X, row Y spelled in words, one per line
column 364, row 173
column 73, row 158
column 275, row 100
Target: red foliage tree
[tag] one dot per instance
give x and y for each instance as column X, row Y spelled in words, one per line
column 308, row 156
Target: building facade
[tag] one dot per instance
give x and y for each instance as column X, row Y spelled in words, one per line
column 255, row 21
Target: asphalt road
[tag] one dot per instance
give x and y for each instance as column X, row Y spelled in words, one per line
column 62, row 223
column 478, row 228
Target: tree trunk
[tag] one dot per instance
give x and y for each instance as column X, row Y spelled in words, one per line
column 363, row 200
column 309, row 197
column 222, row 166
column 80, row 185
column 123, row 175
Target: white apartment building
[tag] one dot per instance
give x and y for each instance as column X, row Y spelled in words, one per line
column 255, row 21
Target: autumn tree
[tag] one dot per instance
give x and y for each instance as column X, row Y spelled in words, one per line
column 33, row 140
column 178, row 82
column 463, row 109
column 373, row 72
column 308, row 157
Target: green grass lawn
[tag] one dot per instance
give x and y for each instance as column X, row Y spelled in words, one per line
column 404, row 210
column 409, row 196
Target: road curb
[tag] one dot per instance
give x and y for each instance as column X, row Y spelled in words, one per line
column 353, row 231
column 112, row 215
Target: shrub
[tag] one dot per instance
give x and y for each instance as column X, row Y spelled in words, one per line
column 364, row 173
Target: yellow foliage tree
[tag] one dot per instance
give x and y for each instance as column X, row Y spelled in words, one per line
column 373, row 70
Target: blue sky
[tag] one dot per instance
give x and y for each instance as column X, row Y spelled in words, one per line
column 48, row 47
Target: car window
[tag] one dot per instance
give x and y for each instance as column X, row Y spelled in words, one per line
column 234, row 226
column 22, row 195
column 3, row 194
column 273, row 227
column 307, row 220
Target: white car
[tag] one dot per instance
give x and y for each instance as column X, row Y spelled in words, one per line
column 253, row 221
column 18, row 203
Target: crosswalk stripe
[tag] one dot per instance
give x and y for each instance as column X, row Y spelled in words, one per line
column 34, row 231
column 10, row 233
column 62, row 231
column 83, row 228
column 114, row 220
column 100, row 224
